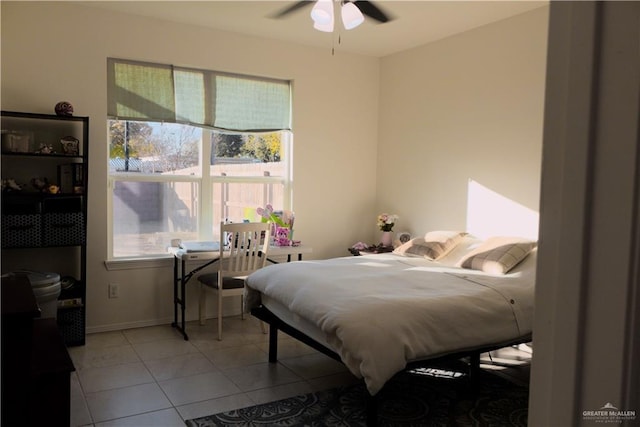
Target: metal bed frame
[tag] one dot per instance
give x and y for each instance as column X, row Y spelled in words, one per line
column 276, row 324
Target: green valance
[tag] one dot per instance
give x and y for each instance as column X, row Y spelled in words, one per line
column 166, row 93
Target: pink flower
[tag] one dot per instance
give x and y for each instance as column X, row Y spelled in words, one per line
column 386, row 221
column 266, row 212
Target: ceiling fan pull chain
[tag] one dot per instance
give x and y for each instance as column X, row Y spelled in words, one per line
column 333, row 43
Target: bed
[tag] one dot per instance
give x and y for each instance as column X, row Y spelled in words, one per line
column 379, row 314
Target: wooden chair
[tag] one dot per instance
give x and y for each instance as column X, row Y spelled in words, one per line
column 245, row 253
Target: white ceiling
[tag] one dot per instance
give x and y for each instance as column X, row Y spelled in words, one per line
column 415, row 23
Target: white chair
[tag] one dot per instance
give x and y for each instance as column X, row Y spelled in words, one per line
column 245, row 253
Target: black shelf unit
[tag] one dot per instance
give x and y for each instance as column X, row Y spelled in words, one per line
column 43, row 231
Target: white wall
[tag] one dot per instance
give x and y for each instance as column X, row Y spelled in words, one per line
column 465, row 112
column 57, row 51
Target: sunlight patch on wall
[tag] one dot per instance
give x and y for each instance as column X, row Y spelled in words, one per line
column 492, row 214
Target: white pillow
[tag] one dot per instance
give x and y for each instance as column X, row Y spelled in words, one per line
column 462, row 249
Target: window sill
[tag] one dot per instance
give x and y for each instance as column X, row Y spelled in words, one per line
column 138, row 263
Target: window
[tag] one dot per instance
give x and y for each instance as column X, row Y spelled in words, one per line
column 171, row 180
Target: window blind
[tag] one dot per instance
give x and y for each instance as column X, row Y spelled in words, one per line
column 140, row 91
column 157, row 92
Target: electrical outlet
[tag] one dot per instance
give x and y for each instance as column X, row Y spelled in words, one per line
column 114, row 290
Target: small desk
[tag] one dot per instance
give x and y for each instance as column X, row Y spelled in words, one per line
column 181, row 276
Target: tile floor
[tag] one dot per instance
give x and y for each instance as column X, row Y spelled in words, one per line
column 152, row 377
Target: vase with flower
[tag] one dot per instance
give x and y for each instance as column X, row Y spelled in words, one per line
column 281, row 225
column 385, row 224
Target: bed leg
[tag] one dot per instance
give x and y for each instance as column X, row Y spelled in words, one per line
column 474, row 371
column 273, row 344
column 372, row 410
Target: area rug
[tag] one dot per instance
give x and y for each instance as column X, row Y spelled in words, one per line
column 427, row 397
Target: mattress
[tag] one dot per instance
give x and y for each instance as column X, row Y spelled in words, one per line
column 295, row 321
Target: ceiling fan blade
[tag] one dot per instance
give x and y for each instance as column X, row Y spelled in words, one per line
column 372, row 11
column 292, row 8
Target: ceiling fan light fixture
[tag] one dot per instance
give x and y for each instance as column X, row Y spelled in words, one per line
column 327, row 28
column 353, row 13
column 351, row 16
column 322, row 13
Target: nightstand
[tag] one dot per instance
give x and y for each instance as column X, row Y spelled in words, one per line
column 373, row 249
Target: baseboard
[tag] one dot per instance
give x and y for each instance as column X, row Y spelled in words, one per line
column 147, row 323
column 129, row 325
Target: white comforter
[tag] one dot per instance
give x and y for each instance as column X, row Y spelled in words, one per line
column 380, row 311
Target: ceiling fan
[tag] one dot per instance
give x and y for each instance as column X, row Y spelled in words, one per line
column 352, row 12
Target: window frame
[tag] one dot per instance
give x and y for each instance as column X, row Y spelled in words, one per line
column 204, row 182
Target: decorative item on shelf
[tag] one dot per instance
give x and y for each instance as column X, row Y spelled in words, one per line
column 16, row 142
column 45, row 149
column 10, row 185
column 53, row 189
column 64, row 108
column 385, row 223
column 40, row 184
column 70, row 145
